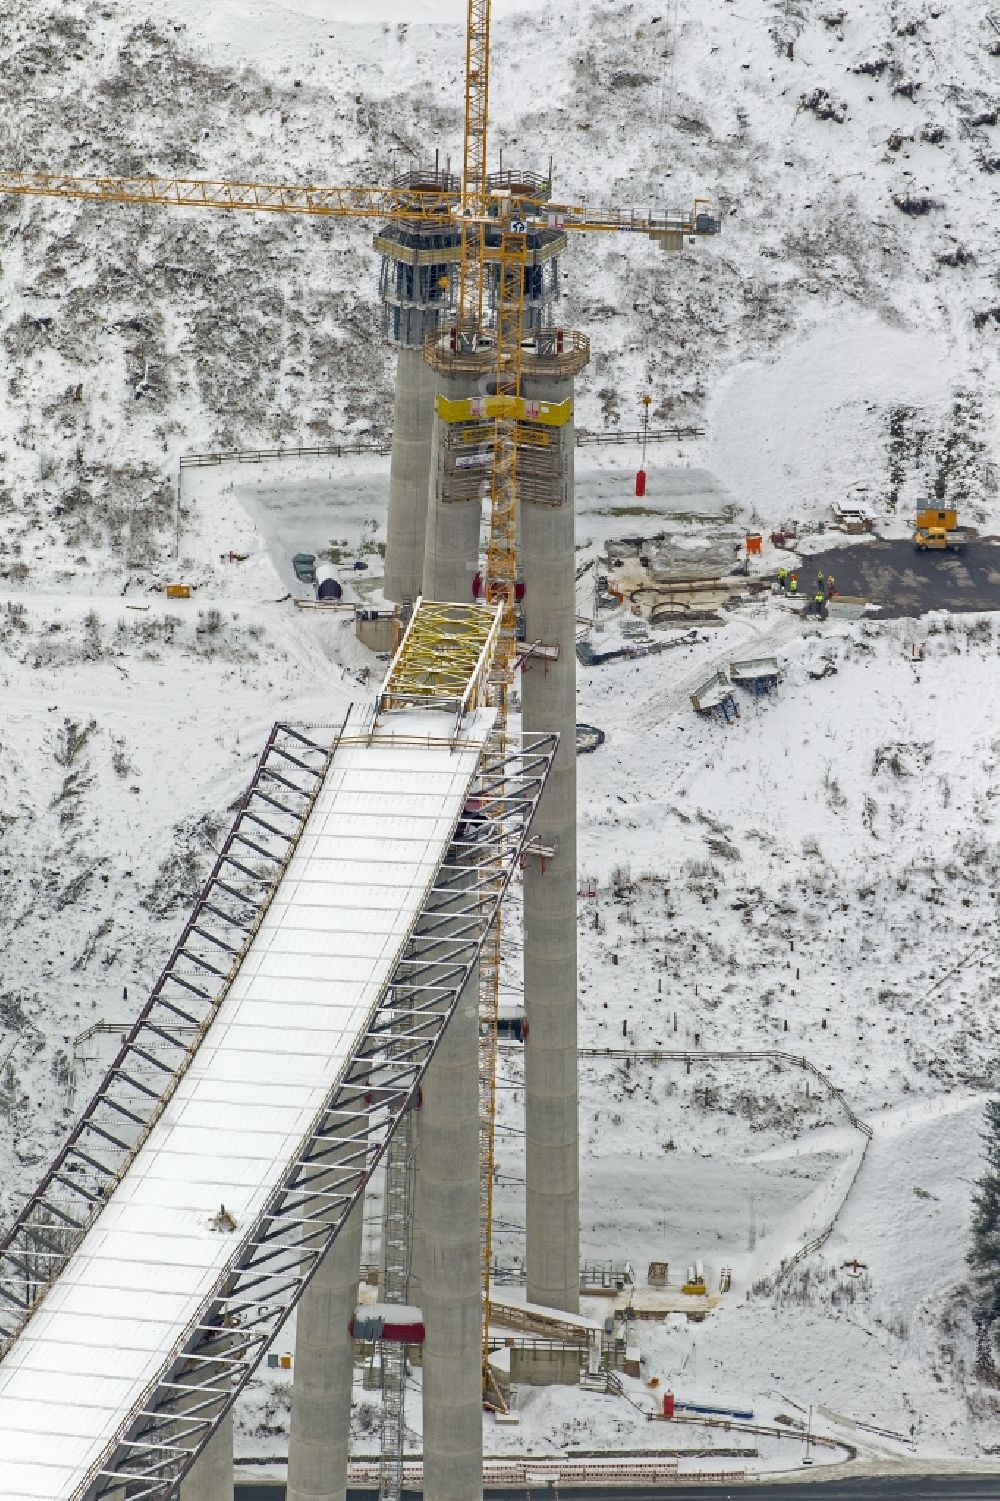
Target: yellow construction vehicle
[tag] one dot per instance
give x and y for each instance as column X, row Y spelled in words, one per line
column 939, row 531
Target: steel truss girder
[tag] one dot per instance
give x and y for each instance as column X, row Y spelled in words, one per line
column 126, row 1104
column 272, row 1263
column 282, row 1249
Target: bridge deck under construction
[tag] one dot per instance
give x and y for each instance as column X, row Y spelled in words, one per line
column 142, row 1337
column 377, row 834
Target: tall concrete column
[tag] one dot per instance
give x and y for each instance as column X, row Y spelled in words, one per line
column 211, row 1476
column 451, row 548
column 446, row 1259
column 548, row 702
column 319, row 1443
column 446, row 1271
column 409, row 476
column 417, row 285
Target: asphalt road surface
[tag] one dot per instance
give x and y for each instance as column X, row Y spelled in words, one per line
column 904, row 581
column 864, row 1488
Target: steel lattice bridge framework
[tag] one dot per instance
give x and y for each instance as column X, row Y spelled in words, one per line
column 280, row 1047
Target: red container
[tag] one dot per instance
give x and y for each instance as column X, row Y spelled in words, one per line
column 668, row 1404
column 390, row 1322
column 640, row 482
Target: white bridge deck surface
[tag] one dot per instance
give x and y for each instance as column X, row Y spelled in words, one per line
column 316, row 968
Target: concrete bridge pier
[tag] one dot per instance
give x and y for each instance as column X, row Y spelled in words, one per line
column 323, row 1371
column 211, row 1476
column 446, row 1259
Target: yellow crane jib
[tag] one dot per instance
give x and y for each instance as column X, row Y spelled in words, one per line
column 415, row 205
column 509, row 408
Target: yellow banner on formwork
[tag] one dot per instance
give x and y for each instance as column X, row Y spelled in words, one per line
column 514, row 408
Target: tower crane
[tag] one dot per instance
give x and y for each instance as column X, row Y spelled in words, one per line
column 486, row 207
column 510, row 214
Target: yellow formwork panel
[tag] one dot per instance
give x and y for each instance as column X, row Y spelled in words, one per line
column 444, row 658
column 439, row 255
column 511, row 408
column 478, row 434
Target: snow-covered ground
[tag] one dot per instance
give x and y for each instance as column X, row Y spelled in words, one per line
column 820, row 878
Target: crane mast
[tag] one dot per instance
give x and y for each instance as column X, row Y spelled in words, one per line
column 474, row 163
column 501, row 552
column 500, row 575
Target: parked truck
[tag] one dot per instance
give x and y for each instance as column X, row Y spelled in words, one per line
column 937, row 530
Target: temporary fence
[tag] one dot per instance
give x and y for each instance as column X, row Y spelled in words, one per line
column 797, row 1060
column 537, row 1472
column 382, row 444
column 655, row 435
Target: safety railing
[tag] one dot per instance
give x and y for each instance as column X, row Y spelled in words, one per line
column 549, row 351
column 585, row 439
column 382, row 445
column 501, row 1474
column 689, row 1056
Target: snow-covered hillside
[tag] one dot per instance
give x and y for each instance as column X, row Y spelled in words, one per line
column 852, row 149
column 128, row 735
column 831, row 863
column 819, row 879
